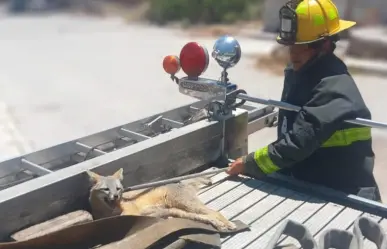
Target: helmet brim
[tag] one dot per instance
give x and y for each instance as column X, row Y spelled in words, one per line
column 344, row 24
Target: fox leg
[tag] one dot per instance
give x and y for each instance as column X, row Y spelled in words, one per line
column 161, row 212
column 192, row 204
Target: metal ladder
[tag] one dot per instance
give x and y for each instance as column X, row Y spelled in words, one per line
column 24, row 168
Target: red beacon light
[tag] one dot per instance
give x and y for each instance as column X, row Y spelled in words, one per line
column 171, row 64
column 194, row 59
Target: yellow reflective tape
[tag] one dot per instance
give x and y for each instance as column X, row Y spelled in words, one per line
column 264, row 162
column 318, row 20
column 348, row 136
column 332, row 14
column 302, row 8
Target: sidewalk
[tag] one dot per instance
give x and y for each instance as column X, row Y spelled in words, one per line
column 255, row 42
column 12, row 143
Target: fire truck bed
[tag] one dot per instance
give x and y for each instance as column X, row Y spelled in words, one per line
column 263, row 206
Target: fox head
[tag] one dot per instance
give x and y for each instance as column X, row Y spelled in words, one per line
column 107, row 188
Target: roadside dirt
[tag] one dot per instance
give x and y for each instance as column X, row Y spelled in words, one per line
column 274, row 62
column 221, row 29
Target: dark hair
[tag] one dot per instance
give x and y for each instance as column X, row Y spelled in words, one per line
column 332, row 39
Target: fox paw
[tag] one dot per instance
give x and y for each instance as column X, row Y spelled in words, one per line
column 231, row 225
column 224, row 227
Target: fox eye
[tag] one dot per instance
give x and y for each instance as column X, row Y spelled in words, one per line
column 118, row 188
column 105, row 189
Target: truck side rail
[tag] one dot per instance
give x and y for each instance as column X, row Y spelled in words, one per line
column 33, row 165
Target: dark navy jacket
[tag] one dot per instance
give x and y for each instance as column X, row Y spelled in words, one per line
column 315, row 144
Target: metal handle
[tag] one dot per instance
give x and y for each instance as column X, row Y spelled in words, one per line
column 174, row 180
column 290, row 107
column 177, row 179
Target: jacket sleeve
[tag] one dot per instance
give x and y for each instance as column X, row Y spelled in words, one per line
column 333, row 100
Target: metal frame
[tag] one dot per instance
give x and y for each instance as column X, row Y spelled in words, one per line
column 322, row 192
column 179, row 152
column 171, row 154
column 30, row 166
column 290, row 107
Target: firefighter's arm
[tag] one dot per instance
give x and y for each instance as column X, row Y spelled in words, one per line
column 331, row 104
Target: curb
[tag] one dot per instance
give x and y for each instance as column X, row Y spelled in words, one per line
column 361, row 66
column 16, row 142
column 377, row 68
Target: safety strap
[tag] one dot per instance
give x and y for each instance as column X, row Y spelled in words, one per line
column 338, row 239
column 295, row 230
column 348, row 136
column 140, row 232
column 371, row 230
column 363, row 227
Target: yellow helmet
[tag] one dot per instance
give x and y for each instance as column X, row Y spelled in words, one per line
column 307, row 21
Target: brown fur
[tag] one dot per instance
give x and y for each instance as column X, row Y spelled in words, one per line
column 178, row 200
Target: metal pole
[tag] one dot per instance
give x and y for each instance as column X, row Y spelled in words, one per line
column 290, row 107
column 174, row 180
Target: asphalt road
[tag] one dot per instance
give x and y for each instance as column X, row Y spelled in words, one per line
column 64, row 77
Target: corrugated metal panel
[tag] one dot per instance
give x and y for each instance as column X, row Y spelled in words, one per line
column 264, row 206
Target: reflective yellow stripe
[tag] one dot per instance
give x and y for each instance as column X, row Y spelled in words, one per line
column 302, row 9
column 264, row 162
column 339, row 138
column 332, row 14
column 348, row 136
column 318, row 20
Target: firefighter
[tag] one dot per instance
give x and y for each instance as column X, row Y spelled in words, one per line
column 315, row 144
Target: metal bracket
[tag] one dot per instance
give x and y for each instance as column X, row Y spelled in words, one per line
column 231, row 98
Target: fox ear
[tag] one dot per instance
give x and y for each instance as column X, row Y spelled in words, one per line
column 119, row 174
column 94, row 177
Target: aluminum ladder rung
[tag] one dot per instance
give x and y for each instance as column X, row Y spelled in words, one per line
column 87, row 148
column 154, row 121
column 172, row 123
column 134, row 135
column 34, row 168
column 193, row 108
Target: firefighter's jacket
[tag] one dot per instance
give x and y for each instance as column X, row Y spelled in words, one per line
column 315, row 144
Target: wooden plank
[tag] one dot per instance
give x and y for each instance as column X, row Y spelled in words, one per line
column 53, row 225
column 273, row 215
column 64, row 191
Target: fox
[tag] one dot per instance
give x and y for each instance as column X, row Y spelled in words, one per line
column 177, row 200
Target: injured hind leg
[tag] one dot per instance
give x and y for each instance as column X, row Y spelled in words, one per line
column 192, row 204
column 178, row 213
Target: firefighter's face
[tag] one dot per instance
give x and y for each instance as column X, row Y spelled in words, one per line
column 300, row 54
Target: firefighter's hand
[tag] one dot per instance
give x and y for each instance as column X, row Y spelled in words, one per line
column 236, row 168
